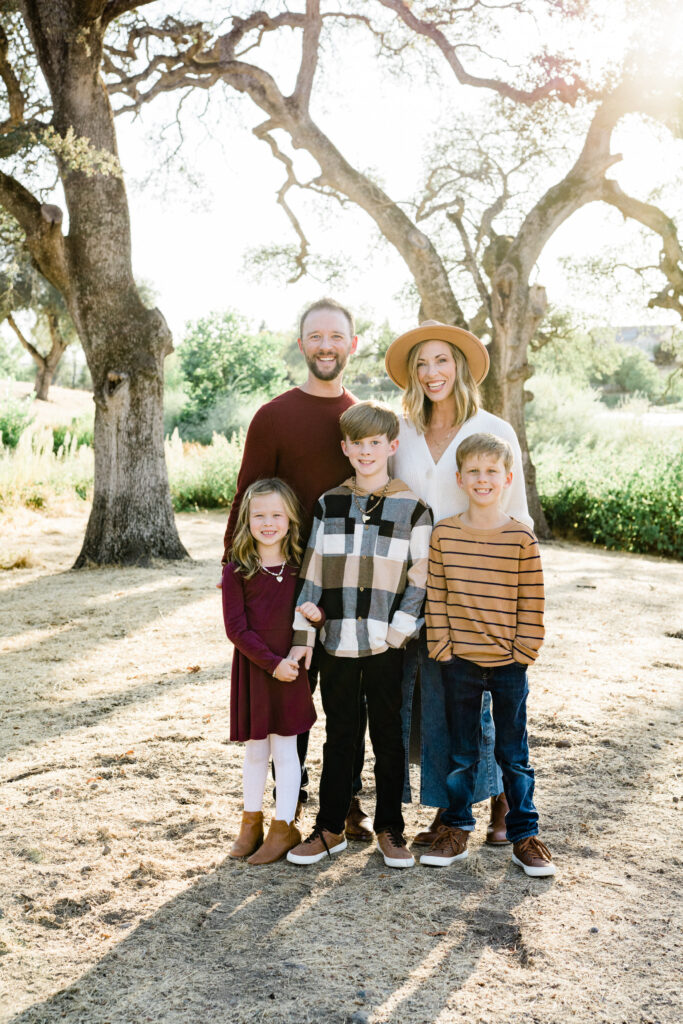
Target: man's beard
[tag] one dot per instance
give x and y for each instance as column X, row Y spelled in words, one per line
column 334, row 369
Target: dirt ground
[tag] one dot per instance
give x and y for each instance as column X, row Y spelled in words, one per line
column 120, row 795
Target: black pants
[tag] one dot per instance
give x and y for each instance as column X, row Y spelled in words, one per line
column 342, row 681
column 303, row 737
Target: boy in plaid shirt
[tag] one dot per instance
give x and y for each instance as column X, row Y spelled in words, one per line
column 363, row 576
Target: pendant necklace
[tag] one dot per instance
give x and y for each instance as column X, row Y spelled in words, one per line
column 279, row 574
column 365, row 515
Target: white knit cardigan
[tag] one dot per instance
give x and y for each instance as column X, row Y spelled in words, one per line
column 436, row 484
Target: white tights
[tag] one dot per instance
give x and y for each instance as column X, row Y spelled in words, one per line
column 257, row 755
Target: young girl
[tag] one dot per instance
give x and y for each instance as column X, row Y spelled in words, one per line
column 270, row 698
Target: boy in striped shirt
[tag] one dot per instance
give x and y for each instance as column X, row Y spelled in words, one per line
column 363, row 584
column 484, row 626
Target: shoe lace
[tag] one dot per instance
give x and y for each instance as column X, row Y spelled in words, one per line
column 534, row 846
column 395, row 835
column 445, row 838
column 317, row 833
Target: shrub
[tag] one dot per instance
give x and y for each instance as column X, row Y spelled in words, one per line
column 78, row 432
column 203, row 477
column 228, row 416
column 624, row 500
column 15, row 417
column 561, row 411
column 32, row 474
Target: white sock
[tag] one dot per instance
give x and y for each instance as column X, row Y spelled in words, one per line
column 287, row 775
column 255, row 773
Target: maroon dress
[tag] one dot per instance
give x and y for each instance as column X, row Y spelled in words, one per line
column 258, row 617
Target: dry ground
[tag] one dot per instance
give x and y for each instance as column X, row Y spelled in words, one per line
column 120, row 796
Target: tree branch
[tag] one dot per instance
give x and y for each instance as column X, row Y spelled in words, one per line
column 114, row 8
column 31, row 349
column 456, row 217
column 567, row 92
column 671, row 258
column 309, row 55
column 262, row 132
column 41, row 225
column 15, row 97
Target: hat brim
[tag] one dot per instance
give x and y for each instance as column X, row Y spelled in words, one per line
column 474, row 350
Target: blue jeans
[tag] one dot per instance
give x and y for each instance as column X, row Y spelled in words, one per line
column 433, row 728
column 464, row 684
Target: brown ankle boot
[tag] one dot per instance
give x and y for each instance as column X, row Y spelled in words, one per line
column 280, row 839
column 251, row 834
column 495, row 830
column 429, row 836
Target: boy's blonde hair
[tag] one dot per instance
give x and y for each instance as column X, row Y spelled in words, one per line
column 417, row 407
column 243, row 551
column 485, row 444
column 368, row 419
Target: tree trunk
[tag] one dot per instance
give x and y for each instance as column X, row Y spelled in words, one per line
column 47, row 367
column 124, row 343
column 131, row 520
column 517, row 309
column 43, row 381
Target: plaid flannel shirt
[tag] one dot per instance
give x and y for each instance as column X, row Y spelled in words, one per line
column 369, row 579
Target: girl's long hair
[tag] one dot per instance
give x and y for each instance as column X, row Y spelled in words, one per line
column 417, row 407
column 243, row 551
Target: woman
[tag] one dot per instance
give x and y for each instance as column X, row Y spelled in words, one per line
column 439, row 368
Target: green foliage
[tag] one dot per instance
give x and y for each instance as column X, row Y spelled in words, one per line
column 228, row 416
column 219, row 356
column 14, row 419
column 32, row 475
column 595, row 360
column 561, row 411
column 78, row 432
column 633, row 504
column 588, row 360
column 606, row 477
column 203, row 477
column 635, row 374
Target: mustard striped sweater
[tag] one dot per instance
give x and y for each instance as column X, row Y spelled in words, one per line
column 484, row 594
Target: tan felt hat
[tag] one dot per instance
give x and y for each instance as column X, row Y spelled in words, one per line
column 474, row 351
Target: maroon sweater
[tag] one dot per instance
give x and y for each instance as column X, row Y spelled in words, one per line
column 295, row 437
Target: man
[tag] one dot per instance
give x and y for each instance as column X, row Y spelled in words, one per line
column 296, row 437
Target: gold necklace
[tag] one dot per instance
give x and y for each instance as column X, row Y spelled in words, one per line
column 365, row 515
column 276, row 575
column 446, row 440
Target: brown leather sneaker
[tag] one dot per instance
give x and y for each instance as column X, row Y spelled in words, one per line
column 358, row 825
column 427, row 837
column 533, row 856
column 319, row 844
column 495, row 830
column 450, row 845
column 392, row 845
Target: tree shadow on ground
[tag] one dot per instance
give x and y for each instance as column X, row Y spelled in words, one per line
column 295, row 945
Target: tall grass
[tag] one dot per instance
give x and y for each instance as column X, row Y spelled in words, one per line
column 34, row 473
column 203, row 477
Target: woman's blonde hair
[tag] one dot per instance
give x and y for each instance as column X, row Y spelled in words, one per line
column 417, row 407
column 243, row 551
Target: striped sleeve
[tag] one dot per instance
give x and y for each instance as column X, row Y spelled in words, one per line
column 530, row 603
column 436, row 613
